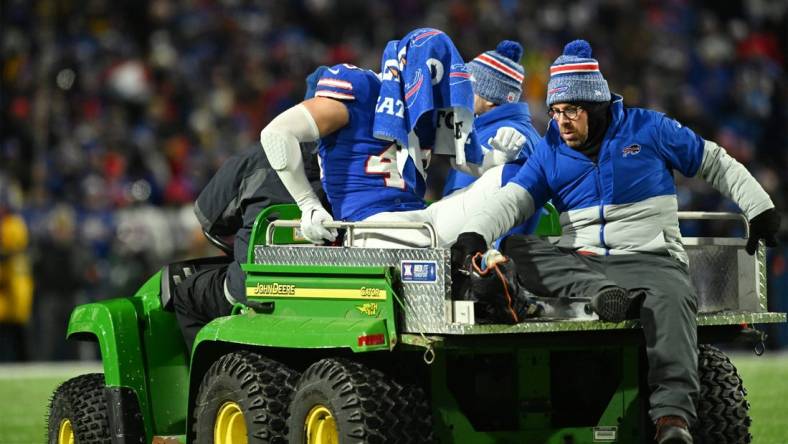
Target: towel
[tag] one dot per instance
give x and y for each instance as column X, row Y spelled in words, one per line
column 424, row 79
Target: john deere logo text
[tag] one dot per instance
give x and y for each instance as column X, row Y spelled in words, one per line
column 369, row 309
column 274, row 289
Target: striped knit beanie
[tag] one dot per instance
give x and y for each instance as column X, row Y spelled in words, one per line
column 575, row 77
column 498, row 75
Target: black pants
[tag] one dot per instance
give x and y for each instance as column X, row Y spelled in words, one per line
column 668, row 315
column 198, row 300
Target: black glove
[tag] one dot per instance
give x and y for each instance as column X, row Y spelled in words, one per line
column 763, row 226
column 467, row 245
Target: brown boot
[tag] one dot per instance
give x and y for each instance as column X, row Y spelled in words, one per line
column 672, row 430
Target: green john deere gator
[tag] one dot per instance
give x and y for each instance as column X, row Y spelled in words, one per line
column 352, row 345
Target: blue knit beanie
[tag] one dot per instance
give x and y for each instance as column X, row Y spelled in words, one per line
column 575, row 77
column 498, row 75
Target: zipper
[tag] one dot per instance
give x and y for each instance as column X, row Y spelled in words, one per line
column 601, row 209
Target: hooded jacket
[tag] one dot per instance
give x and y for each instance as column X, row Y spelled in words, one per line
column 243, row 186
column 625, row 202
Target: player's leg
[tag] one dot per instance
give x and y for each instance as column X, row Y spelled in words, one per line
column 198, row 300
column 547, row 270
column 393, row 238
column 449, row 214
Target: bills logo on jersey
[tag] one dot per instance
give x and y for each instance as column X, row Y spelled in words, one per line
column 419, row 271
column 631, row 150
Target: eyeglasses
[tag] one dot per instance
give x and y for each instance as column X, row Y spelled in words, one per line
column 570, row 112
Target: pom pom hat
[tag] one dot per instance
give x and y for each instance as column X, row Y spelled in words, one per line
column 575, row 77
column 498, row 75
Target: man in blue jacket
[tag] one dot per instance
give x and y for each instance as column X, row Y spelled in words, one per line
column 609, row 172
column 497, row 88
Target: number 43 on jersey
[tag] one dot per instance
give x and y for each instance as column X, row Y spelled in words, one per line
column 385, row 164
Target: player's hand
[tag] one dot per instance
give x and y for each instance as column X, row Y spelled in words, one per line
column 763, row 226
column 508, row 141
column 312, row 220
column 467, row 245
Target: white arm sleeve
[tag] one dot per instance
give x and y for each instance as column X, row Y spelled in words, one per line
column 730, row 178
column 491, row 159
column 467, row 167
column 280, row 140
column 506, row 208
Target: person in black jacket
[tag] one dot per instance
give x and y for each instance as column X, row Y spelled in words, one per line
column 243, row 186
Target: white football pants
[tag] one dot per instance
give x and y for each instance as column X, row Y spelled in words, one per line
column 447, row 216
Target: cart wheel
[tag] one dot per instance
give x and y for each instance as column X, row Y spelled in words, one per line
column 723, row 411
column 243, row 399
column 78, row 412
column 338, row 400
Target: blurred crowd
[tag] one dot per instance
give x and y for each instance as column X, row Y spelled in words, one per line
column 116, row 113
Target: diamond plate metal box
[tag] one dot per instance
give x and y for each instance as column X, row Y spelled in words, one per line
column 725, row 276
column 727, row 279
column 424, row 298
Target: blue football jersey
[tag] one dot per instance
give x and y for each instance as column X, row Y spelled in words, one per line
column 363, row 175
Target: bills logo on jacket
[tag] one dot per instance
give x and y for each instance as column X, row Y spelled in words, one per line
column 631, row 150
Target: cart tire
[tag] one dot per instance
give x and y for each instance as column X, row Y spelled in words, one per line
column 78, row 412
column 723, row 411
column 338, row 400
column 244, row 397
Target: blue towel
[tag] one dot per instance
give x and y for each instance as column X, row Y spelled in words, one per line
column 425, row 83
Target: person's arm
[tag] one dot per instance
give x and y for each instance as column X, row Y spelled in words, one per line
column 732, row 179
column 688, row 153
column 504, row 147
column 305, row 122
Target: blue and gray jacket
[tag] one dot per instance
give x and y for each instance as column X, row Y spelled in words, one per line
column 625, row 202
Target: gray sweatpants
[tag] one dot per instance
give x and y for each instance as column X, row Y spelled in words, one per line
column 668, row 315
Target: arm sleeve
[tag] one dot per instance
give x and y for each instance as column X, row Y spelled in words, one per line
column 532, row 176
column 280, row 141
column 730, row 178
column 508, row 207
column 491, row 159
column 681, row 148
column 217, row 206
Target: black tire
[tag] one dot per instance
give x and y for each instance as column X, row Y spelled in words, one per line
column 366, row 405
column 261, row 387
column 81, row 402
column 723, row 411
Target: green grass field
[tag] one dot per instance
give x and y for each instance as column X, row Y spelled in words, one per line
column 25, row 392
